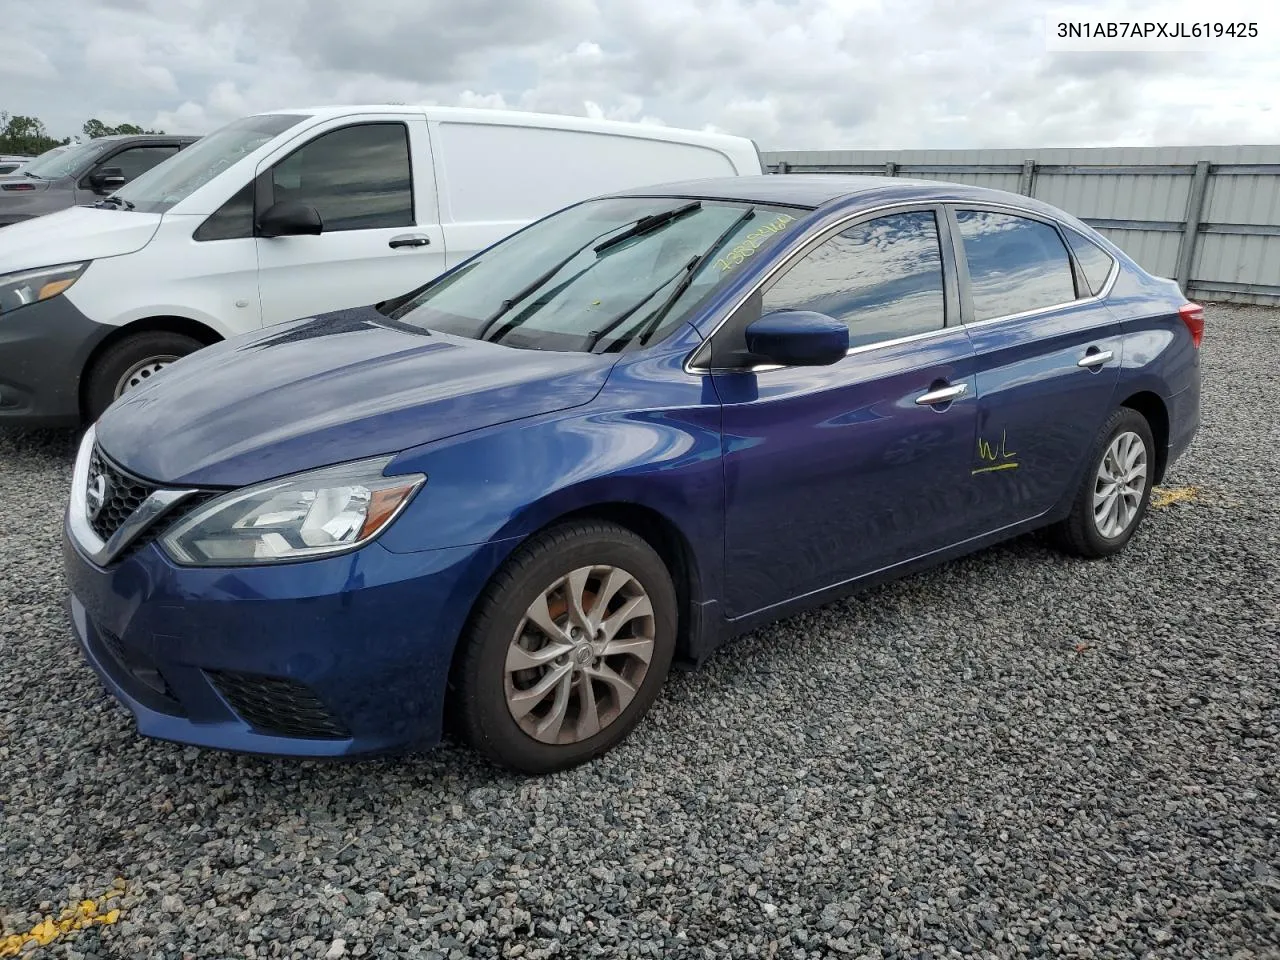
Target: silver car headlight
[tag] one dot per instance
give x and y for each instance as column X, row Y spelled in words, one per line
column 31, row 286
column 308, row 515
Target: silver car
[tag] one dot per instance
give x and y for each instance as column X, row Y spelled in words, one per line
column 81, row 174
column 8, row 163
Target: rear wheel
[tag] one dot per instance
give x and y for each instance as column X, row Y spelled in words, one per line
column 129, row 364
column 568, row 648
column 1115, row 492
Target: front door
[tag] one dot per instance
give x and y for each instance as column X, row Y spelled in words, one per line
column 372, row 185
column 835, row 472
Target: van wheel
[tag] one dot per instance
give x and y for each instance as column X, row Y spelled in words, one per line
column 131, row 363
column 567, row 649
column 1115, row 491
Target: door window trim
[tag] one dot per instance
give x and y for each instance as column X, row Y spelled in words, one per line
column 264, row 186
column 1079, row 280
column 952, row 318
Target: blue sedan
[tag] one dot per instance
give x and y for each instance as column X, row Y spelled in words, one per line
column 509, row 500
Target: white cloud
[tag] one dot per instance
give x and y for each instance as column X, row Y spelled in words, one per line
column 790, row 73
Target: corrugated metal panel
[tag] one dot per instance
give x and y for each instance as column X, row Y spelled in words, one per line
column 1241, row 198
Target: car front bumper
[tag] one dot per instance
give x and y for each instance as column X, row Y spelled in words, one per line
column 43, row 351
column 326, row 658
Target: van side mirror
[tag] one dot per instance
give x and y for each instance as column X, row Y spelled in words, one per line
column 107, row 179
column 288, row 218
column 798, row 338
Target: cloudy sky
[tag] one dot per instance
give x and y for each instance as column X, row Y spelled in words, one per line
column 793, row 74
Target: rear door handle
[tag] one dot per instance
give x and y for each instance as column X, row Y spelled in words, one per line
column 942, row 395
column 1094, row 358
column 408, row 240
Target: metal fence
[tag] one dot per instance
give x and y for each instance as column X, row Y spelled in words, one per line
column 1207, row 216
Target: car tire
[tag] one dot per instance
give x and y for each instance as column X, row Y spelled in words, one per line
column 135, row 358
column 495, row 676
column 1106, row 514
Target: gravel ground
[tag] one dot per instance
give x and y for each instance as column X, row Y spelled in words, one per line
column 1016, row 754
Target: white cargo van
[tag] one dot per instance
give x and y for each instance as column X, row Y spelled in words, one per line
column 286, row 214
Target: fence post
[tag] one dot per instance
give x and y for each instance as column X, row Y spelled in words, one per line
column 1191, row 227
column 784, row 166
column 890, row 169
column 1028, row 178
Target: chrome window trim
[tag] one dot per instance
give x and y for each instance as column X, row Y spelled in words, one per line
column 841, row 224
column 99, row 551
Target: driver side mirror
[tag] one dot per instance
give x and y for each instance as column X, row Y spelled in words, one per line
column 798, row 338
column 107, row 179
column 289, row 218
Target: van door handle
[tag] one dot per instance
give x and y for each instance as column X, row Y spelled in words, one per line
column 1094, row 358
column 408, row 240
column 942, row 395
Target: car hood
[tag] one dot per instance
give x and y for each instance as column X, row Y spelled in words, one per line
column 74, row 234
column 339, row 387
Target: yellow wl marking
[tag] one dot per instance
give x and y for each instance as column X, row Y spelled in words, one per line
column 1162, row 497
column 86, row 913
column 998, row 466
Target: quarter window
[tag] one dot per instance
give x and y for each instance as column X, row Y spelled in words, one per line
column 231, row 221
column 357, row 178
column 883, row 278
column 1015, row 264
column 1094, row 261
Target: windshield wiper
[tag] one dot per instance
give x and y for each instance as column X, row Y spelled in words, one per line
column 689, row 271
column 34, row 176
column 116, row 202
column 646, row 224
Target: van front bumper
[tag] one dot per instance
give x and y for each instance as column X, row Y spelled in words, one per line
column 43, row 351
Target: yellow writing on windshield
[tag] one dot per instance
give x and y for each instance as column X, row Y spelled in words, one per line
column 752, row 242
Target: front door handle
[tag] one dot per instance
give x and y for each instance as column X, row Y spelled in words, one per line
column 942, row 395
column 409, row 240
column 1094, row 358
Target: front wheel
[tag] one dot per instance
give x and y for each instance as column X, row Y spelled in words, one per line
column 1115, row 492
column 130, row 363
column 567, row 649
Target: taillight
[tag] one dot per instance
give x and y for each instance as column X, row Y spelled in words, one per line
column 1192, row 315
column 18, row 186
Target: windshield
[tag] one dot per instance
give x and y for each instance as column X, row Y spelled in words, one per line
column 601, row 276
column 62, row 161
column 177, row 178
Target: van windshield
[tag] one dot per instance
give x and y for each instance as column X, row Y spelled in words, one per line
column 63, row 161
column 171, row 182
column 602, row 276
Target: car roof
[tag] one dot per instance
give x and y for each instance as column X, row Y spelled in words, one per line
column 834, row 189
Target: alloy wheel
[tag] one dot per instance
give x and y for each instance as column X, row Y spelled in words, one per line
column 1120, row 485
column 579, row 654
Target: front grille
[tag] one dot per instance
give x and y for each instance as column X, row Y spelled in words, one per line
column 278, row 706
column 124, row 494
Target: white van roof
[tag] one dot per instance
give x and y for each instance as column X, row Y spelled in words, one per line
column 526, row 119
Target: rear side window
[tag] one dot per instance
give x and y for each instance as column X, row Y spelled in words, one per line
column 1015, row 264
column 1094, row 261
column 357, row 178
column 883, row 278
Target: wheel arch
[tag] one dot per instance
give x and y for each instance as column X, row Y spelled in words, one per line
column 1155, row 411
column 162, row 324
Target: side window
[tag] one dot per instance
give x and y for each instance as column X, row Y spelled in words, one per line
column 1015, row 264
column 358, row 178
column 1094, row 261
column 138, row 160
column 883, row 278
column 231, row 221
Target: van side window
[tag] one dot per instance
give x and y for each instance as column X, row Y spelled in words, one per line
column 231, row 221
column 883, row 278
column 1016, row 264
column 357, row 178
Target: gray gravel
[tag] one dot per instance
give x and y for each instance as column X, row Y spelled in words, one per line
column 1015, row 755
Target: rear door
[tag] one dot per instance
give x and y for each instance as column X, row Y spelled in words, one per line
column 1048, row 361
column 835, row 472
column 371, row 182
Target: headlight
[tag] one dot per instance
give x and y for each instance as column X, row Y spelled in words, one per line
column 31, row 286
column 297, row 518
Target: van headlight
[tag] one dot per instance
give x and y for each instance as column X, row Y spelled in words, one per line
column 31, row 286
column 308, row 515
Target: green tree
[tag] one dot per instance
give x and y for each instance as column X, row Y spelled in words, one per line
column 96, row 128
column 25, row 136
